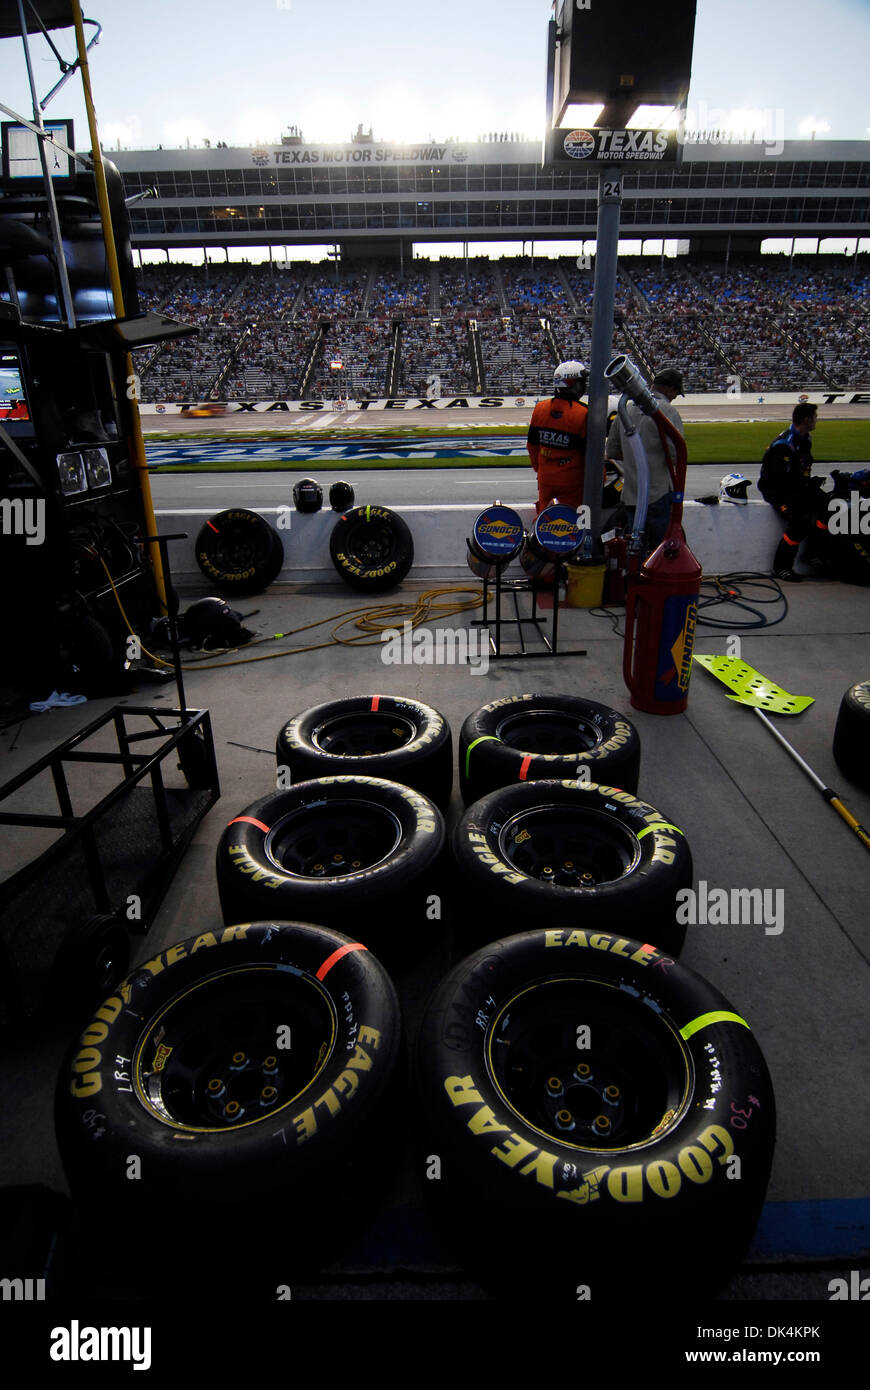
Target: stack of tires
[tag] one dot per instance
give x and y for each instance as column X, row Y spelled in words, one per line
column 602, row 1117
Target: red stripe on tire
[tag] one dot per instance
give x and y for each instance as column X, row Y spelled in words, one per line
column 251, row 821
column 376, row 700
column 524, row 766
column 214, row 528
column 336, row 957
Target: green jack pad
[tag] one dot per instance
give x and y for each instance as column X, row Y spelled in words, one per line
column 751, row 687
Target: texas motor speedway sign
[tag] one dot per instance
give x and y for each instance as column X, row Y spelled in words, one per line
column 600, row 146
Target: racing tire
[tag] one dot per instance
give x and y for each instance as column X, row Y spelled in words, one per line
column 291, row 1027
column 371, row 548
column 530, row 738
column 388, row 736
column 572, row 855
column 338, row 850
column 614, row 1181
column 239, row 551
column 196, row 760
column 852, row 735
column 92, row 957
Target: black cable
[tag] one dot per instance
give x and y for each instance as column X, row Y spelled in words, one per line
column 727, row 590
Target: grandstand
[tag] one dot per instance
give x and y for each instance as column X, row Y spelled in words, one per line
column 399, row 325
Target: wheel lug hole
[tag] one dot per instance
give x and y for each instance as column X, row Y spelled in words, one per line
column 601, row 1124
column 564, row 1119
column 554, row 1086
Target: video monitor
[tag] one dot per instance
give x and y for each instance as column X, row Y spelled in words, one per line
column 14, row 410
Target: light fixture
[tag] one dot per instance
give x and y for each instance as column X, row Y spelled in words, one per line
column 653, row 118
column 576, row 114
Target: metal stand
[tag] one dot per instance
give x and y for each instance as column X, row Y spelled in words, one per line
column 515, row 587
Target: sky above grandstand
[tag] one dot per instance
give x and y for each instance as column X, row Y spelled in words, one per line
column 176, row 71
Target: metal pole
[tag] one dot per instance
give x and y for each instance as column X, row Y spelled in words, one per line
column 606, row 248
column 140, row 463
column 54, row 222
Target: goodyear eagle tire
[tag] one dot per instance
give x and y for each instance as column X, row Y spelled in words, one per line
column 247, row 1070
column 852, row 735
column 239, row 551
column 587, row 1097
column 372, row 549
column 533, row 737
column 388, row 736
column 355, row 853
column 572, row 855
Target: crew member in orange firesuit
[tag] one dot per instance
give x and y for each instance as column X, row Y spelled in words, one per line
column 557, row 439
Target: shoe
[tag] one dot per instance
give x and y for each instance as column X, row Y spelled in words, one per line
column 789, row 576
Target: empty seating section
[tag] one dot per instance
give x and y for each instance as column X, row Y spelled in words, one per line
column 517, row 357
column 761, row 322
column 435, row 350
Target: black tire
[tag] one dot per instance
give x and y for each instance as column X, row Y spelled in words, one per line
column 575, row 856
column 641, row 1195
column 852, row 735
column 239, row 552
column 530, row 738
column 387, row 736
column 372, row 549
column 92, row 957
column 196, row 1031
column 196, row 760
column 337, row 850
column 168, row 1021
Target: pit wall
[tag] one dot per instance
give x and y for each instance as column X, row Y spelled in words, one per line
column 725, row 538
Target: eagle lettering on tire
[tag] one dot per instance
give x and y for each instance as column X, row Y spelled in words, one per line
column 572, row 855
column 371, row 548
column 603, row 1115
column 190, row 1048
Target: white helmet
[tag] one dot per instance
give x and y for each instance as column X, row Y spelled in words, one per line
column 571, row 378
column 733, row 487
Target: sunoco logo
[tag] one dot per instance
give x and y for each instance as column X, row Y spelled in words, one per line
column 501, row 530
column 558, row 528
column 579, row 144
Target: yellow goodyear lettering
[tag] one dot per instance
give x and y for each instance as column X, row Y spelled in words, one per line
column 461, row 1090
column 588, row 1189
column 483, row 1121
column 87, row 1080
column 234, row 933
column 207, row 939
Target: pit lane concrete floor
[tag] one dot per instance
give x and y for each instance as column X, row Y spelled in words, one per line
column 752, row 819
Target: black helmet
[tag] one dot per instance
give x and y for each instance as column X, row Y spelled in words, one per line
column 210, row 623
column 341, row 496
column 308, row 496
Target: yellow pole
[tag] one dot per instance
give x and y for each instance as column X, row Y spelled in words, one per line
column 139, row 463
